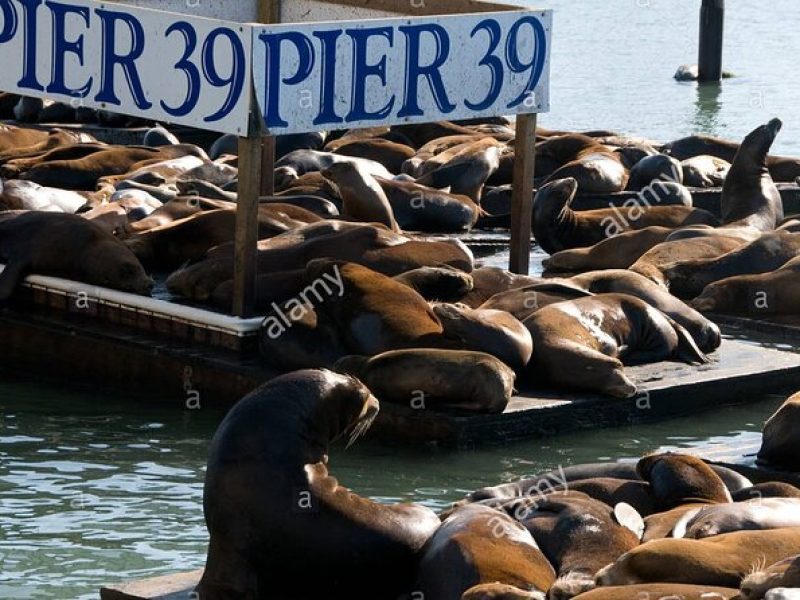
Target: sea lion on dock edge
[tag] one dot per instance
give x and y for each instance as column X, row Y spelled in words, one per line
column 268, row 480
column 660, row 591
column 783, row 574
column 432, row 379
column 557, row 227
column 68, row 246
column 477, row 545
column 722, row 560
column 780, row 443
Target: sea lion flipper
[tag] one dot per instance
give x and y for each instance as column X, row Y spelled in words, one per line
column 688, row 350
column 627, row 516
column 9, row 278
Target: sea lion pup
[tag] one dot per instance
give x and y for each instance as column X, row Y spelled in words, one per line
column 420, row 208
column 488, row 281
column 768, row 253
column 677, row 479
column 390, row 154
column 578, row 535
column 671, row 591
column 774, row 293
column 363, row 199
column 617, row 252
column 582, row 343
column 440, row 284
column 467, row 172
column 704, row 171
column 372, row 312
column 477, row 545
column 494, row 332
column 68, row 246
column 557, row 227
column 268, row 480
column 780, row 444
column 783, row 574
column 753, row 514
column 26, row 195
column 721, row 560
column 433, row 379
column 749, row 195
column 658, row 167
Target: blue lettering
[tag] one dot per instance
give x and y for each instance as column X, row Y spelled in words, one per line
column 430, row 72
column 362, row 70
column 327, row 92
column 536, row 64
column 61, row 47
column 494, row 64
column 235, row 80
column 305, row 52
column 188, row 67
column 9, row 21
column 29, row 80
column 110, row 59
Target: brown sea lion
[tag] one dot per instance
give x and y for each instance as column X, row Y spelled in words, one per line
column 705, row 171
column 422, row 133
column 660, row 525
column 477, row 545
column 438, row 283
column 677, row 479
column 467, row 171
column 780, row 445
column 582, row 343
column 749, row 195
column 753, row 514
column 596, row 167
column 774, row 293
column 523, row 302
column 488, row 281
column 433, row 379
column 390, row 154
column 783, row 574
column 420, row 208
column 268, row 479
column 612, row 491
column 768, row 253
column 768, row 489
column 68, row 246
column 618, row 252
column 557, row 227
column 494, row 332
column 13, row 137
column 660, row 591
column 363, row 199
column 500, row 591
column 578, row 534
column 722, row 560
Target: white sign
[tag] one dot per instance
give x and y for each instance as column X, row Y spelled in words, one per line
column 401, row 70
column 161, row 66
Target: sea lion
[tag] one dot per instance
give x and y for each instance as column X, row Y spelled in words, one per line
column 618, row 252
column 422, row 133
column 390, row 154
column 14, row 138
column 705, row 171
column 476, row 545
column 159, row 136
column 774, row 293
column 500, row 591
column 432, row 379
column 26, row 195
column 302, row 162
column 783, row 574
column 523, row 302
column 488, row 281
column 268, row 479
column 754, row 514
column 437, row 283
column 749, row 195
column 578, row 535
column 768, row 253
column 362, row 196
column 768, row 489
column 658, row 167
column 494, row 332
column 660, row 591
column 582, row 343
column 677, row 479
column 468, row 170
column 780, row 443
column 660, row 525
column 557, row 227
column 722, row 560
column 420, row 208
column 68, row 246
column 596, row 167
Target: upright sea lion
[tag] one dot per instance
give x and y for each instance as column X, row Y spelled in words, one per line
column 722, row 560
column 68, row 246
column 467, row 171
column 749, row 195
column 780, row 444
column 754, row 514
column 768, row 253
column 432, row 379
column 363, row 198
column 557, row 227
column 677, row 479
column 774, row 293
column 582, row 343
column 268, row 480
column 783, row 574
column 705, row 171
column 477, row 545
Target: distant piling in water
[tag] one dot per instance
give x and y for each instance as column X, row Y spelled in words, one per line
column 712, row 25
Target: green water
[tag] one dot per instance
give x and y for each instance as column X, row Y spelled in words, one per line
column 98, row 487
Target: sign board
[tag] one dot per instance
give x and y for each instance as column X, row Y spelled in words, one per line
column 160, row 66
column 364, row 73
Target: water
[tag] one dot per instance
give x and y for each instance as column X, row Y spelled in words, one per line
column 97, row 488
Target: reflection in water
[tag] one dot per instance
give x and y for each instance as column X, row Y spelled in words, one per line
column 707, row 108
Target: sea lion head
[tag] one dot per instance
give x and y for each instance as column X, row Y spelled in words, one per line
column 550, row 210
column 570, row 585
column 110, row 264
column 677, row 479
column 783, row 574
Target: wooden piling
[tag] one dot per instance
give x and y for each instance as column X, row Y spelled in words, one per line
column 712, row 24
column 522, row 197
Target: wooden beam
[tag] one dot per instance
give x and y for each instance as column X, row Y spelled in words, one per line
column 522, row 196
column 712, row 27
column 245, row 248
column 269, row 11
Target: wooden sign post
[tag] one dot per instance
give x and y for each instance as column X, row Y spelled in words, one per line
column 522, row 197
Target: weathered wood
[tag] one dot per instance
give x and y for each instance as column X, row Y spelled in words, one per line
column 522, row 198
column 712, row 25
column 246, row 252
column 269, row 11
